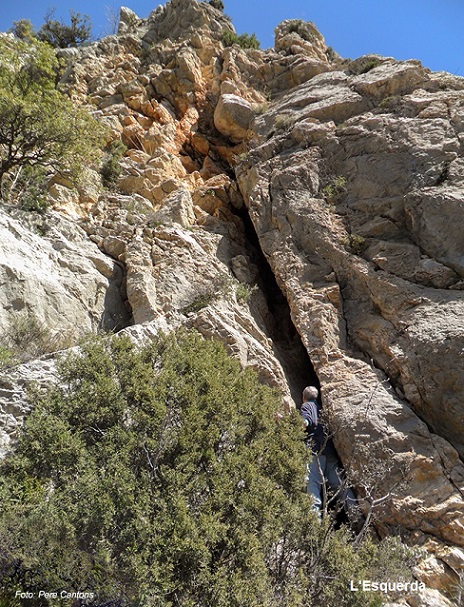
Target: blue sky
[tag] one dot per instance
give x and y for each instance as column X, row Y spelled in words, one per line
column 421, row 29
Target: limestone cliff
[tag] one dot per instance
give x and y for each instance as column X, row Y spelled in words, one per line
column 303, row 209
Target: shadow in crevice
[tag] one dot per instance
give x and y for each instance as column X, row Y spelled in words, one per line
column 288, row 347
column 117, row 313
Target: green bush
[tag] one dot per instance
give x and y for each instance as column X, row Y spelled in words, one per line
column 301, row 28
column 29, row 190
column 28, row 336
column 6, row 357
column 244, row 40
column 201, row 300
column 221, row 286
column 370, row 65
column 40, row 129
column 111, row 166
column 355, row 244
column 284, row 121
column 244, row 291
column 161, row 477
column 362, row 65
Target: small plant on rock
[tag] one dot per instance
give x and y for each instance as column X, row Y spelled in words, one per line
column 330, row 53
column 355, row 244
column 363, row 65
column 218, row 4
column 391, row 103
column 260, row 108
column 244, row 291
column 221, row 286
column 203, row 299
column 334, row 188
column 299, row 27
column 284, row 121
column 28, row 338
column 27, row 188
column 7, row 357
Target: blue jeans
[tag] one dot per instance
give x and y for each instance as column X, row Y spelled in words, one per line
column 325, row 470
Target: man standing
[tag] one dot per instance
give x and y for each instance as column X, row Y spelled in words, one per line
column 325, row 468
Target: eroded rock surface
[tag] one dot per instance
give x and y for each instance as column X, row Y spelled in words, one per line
column 352, row 174
column 350, row 198
column 50, row 271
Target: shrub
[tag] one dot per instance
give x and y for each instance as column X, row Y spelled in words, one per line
column 24, row 30
column 284, row 121
column 29, row 189
column 217, row 4
column 301, row 28
column 6, row 357
column 207, row 294
column 111, row 166
column 370, row 65
column 244, row 291
column 331, row 54
column 261, row 108
column 27, row 334
column 61, row 35
column 40, row 129
column 363, row 65
column 333, row 189
column 202, row 300
column 161, row 477
column 355, row 244
column 244, row 40
column 391, row 103
column 28, row 338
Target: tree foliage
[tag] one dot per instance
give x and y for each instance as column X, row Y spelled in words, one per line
column 161, row 478
column 39, row 127
column 23, row 29
column 62, row 35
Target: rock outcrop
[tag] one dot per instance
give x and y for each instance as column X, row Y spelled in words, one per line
column 351, row 266
column 349, row 185
column 50, row 271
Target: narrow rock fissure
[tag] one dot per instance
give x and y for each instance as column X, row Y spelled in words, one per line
column 116, row 320
column 288, row 347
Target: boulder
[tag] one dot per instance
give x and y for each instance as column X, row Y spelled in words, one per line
column 233, row 116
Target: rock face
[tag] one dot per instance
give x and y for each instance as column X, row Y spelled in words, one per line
column 309, row 220
column 349, row 201
column 49, row 270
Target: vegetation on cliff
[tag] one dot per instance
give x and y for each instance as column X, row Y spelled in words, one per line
column 161, row 477
column 41, row 131
column 56, row 33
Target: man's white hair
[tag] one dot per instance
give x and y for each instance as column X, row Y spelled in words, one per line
column 310, row 393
